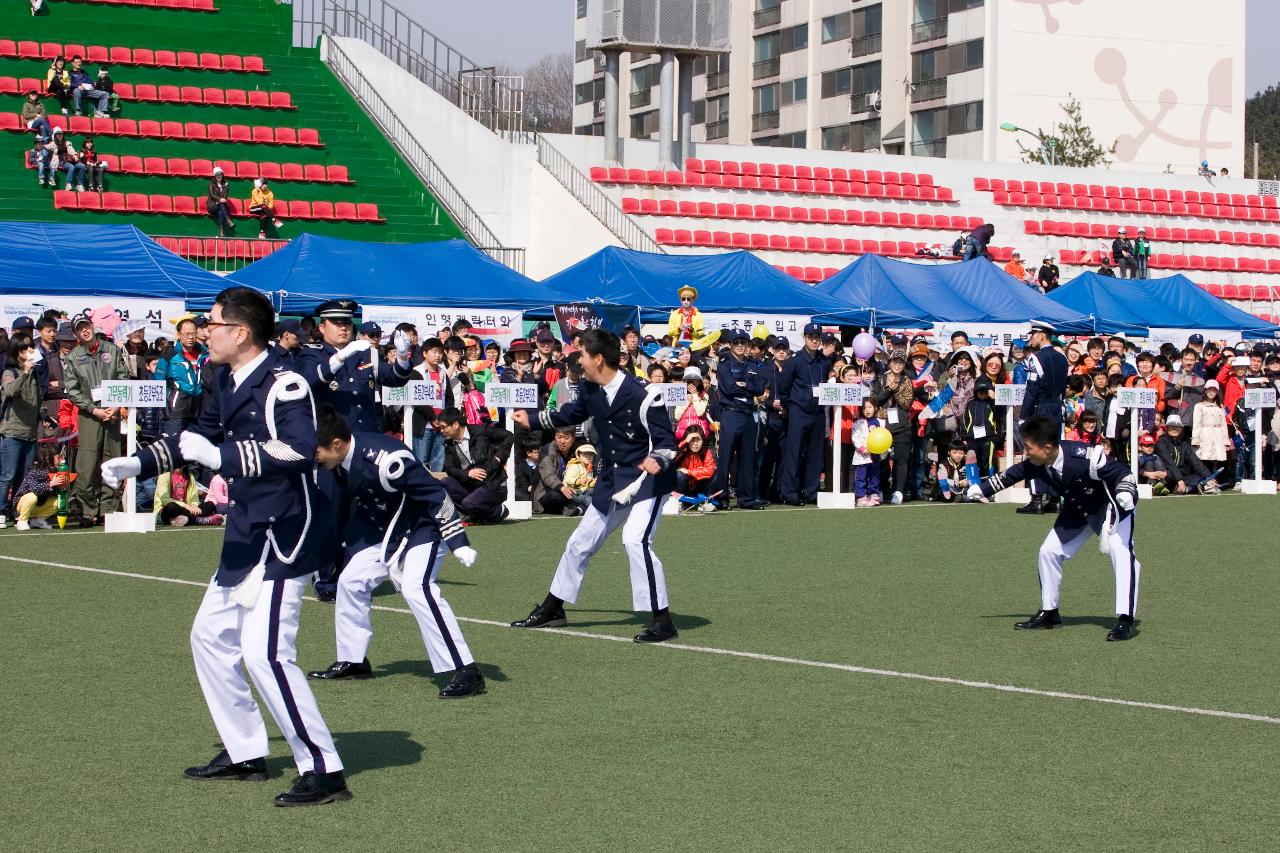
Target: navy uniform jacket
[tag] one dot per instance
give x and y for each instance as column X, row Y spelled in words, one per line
column 395, row 502
column 287, row 357
column 272, row 494
column 1046, row 385
column 624, row 441
column 1086, row 480
column 350, row 389
column 771, row 373
column 801, row 375
column 735, row 397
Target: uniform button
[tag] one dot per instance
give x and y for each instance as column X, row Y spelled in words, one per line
column 271, row 519
column 231, row 503
column 230, row 480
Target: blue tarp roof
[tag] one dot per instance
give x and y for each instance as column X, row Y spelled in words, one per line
column 1175, row 302
column 444, row 273
column 96, row 260
column 970, row 292
column 727, row 283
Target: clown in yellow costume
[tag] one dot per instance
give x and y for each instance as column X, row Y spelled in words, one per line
column 686, row 321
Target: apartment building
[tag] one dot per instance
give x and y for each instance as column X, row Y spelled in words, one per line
column 1159, row 78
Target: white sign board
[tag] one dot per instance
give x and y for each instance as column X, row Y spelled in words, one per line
column 132, row 394
column 106, row 313
column 511, row 396
column 501, row 326
column 841, row 394
column 1260, row 398
column 1136, row 398
column 1010, row 395
column 981, row 335
column 416, row 393
column 789, row 326
column 674, row 393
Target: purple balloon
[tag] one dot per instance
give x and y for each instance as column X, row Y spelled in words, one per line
column 864, row 345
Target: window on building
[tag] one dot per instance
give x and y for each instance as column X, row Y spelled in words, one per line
column 643, row 78
column 766, row 47
column 582, row 8
column 644, row 125
column 794, row 91
column 700, row 112
column 792, row 140
column 960, row 5
column 964, row 118
column 930, row 125
column 928, row 64
column 835, row 138
column 580, row 52
column 866, row 22
column 762, row 5
column 964, row 57
column 835, row 28
column 591, row 90
column 864, row 135
column 854, row 79
column 717, row 109
column 764, row 99
column 929, row 10
column 794, row 38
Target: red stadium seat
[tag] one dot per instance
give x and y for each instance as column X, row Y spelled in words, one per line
column 149, row 129
column 185, row 205
column 247, row 170
column 137, row 203
column 173, row 130
column 179, row 166
column 322, row 210
column 239, row 133
column 202, row 168
column 263, row 135
column 270, row 171
column 252, row 64
column 187, row 59
column 259, row 98
column 337, row 174
column 161, row 204
column 66, row 200
column 195, row 130
column 154, row 166
column 237, row 98
column 192, row 95
column 368, row 212
column 298, row 209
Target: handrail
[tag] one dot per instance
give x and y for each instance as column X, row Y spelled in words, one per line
column 419, row 160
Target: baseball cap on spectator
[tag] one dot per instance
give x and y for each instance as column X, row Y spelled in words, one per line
column 1147, row 439
column 79, row 320
column 66, row 332
column 370, row 329
column 812, row 330
column 899, row 340
column 920, row 349
column 983, row 384
column 23, row 323
column 1259, row 350
column 202, row 321
column 1212, row 383
column 828, row 338
column 293, row 327
column 782, row 343
column 544, row 336
column 1196, row 339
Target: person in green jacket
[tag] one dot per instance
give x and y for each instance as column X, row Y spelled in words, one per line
column 1142, row 252
column 91, row 363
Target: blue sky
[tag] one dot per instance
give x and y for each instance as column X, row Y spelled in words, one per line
column 516, row 32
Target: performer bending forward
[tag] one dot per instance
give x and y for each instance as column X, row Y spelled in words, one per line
column 635, row 474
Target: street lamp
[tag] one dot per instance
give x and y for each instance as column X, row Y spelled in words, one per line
column 1047, row 145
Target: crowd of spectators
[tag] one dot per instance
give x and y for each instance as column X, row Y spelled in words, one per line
column 935, row 398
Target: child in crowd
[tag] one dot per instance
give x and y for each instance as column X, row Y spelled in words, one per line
column 980, row 426
column 1151, row 468
column 1073, row 403
column 177, row 500
column 580, row 477
column 36, row 498
column 866, row 465
column 1209, row 434
column 693, row 412
column 473, row 405
column 1085, row 430
column 695, row 467
column 952, row 482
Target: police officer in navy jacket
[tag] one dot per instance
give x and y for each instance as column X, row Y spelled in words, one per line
column 636, row 449
column 1046, row 387
column 740, row 380
column 802, row 456
column 256, row 429
column 400, row 525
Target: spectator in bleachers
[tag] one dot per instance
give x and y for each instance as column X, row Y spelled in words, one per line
column 82, row 86
column 1205, row 171
column 106, row 84
column 57, row 82
column 1122, row 255
column 1048, row 275
column 1141, row 253
column 262, row 204
column 1015, row 268
column 41, row 157
column 1105, row 268
column 978, row 240
column 66, row 158
column 36, row 5
column 21, row 410
column 218, row 203
column 1224, row 172
column 33, row 115
column 94, row 166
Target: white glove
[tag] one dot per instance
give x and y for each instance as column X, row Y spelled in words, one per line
column 353, row 348
column 974, row 493
column 466, row 555
column 1124, row 500
column 196, row 448
column 401, row 341
column 120, row 468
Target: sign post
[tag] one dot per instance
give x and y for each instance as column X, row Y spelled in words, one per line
column 1010, row 396
column 418, row 392
column 510, row 396
column 674, row 394
column 1258, row 399
column 1135, row 400
column 838, row 395
column 131, row 395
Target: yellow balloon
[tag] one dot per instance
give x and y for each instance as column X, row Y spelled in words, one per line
column 879, row 440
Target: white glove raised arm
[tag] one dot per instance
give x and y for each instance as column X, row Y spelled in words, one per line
column 120, row 468
column 466, row 555
column 1125, row 501
column 974, row 492
column 196, row 448
column 401, row 341
column 353, row 348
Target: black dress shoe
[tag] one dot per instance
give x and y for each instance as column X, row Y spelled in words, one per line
column 343, row 669
column 1052, row 504
column 328, row 595
column 222, row 768
column 657, row 631
column 466, row 681
column 543, row 617
column 754, row 505
column 315, row 789
column 1044, row 619
column 1034, row 507
column 1122, row 630
column 795, row 502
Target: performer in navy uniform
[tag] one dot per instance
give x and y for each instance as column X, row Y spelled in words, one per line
column 288, row 342
column 740, row 380
column 1099, row 496
column 400, row 525
column 257, row 429
column 775, row 425
column 1046, row 386
column 342, row 374
column 802, row 456
column 635, row 474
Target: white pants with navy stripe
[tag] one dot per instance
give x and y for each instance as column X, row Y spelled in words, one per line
column 1055, row 551
column 638, row 521
column 264, row 639
column 354, row 605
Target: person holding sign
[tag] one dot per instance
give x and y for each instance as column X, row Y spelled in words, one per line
column 401, row 525
column 256, row 428
column 1099, row 496
column 635, row 473
column 740, row 381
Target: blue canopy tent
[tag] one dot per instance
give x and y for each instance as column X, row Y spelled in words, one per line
column 971, row 292
column 105, row 261
column 444, row 273
column 1175, row 302
column 731, row 282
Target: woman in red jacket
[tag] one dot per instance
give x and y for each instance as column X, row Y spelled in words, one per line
column 695, row 466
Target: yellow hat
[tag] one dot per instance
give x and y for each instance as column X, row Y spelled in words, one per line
column 688, row 289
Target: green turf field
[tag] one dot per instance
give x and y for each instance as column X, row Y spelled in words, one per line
column 586, row 744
